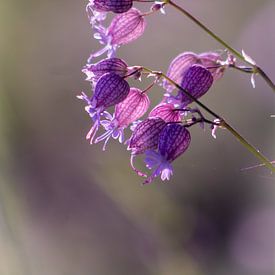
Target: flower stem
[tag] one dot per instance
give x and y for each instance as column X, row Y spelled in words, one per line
column 222, row 122
column 225, row 44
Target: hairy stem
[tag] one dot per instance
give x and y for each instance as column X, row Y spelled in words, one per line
column 225, row 44
column 222, row 122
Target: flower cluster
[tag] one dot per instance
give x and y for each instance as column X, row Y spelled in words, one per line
column 163, row 135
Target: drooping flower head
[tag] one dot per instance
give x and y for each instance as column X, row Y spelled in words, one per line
column 167, row 112
column 173, row 141
column 124, row 28
column 145, row 137
column 179, row 66
column 110, row 90
column 133, row 107
column 196, row 81
column 108, row 65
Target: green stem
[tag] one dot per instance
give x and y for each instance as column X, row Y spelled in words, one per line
column 222, row 122
column 225, row 44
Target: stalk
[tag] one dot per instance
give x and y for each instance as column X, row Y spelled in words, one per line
column 256, row 69
column 222, row 122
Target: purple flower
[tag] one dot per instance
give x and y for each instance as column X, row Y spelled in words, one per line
column 212, row 61
column 178, row 67
column 110, row 90
column 124, row 28
column 116, row 6
column 145, row 137
column 196, row 81
column 167, row 112
column 129, row 110
column 173, row 141
column 109, row 65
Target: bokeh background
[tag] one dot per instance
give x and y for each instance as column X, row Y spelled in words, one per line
column 68, row 208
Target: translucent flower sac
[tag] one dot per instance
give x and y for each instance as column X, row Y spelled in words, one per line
column 129, row 110
column 196, row 81
column 167, row 112
column 178, row 67
column 110, row 90
column 173, row 142
column 108, row 65
column 124, row 28
column 145, row 137
column 184, row 61
column 211, row 61
column 116, row 6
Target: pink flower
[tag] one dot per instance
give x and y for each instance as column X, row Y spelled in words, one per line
column 167, row 112
column 124, row 28
column 173, row 142
column 129, row 110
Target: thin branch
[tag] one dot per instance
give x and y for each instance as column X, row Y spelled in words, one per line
column 222, row 122
column 256, row 68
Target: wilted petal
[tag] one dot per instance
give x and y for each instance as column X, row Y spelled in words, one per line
column 109, row 65
column 167, row 112
column 178, row 67
column 126, row 27
column 173, row 141
column 132, row 108
column 197, row 81
column 146, row 135
column 110, row 90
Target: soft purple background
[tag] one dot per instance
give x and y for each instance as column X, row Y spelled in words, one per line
column 68, row 208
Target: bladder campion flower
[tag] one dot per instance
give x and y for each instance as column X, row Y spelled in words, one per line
column 163, row 136
column 124, row 28
column 129, row 110
column 196, row 81
column 178, row 67
column 145, row 137
column 110, row 90
column 173, row 141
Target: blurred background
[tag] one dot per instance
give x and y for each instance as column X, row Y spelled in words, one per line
column 68, row 208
